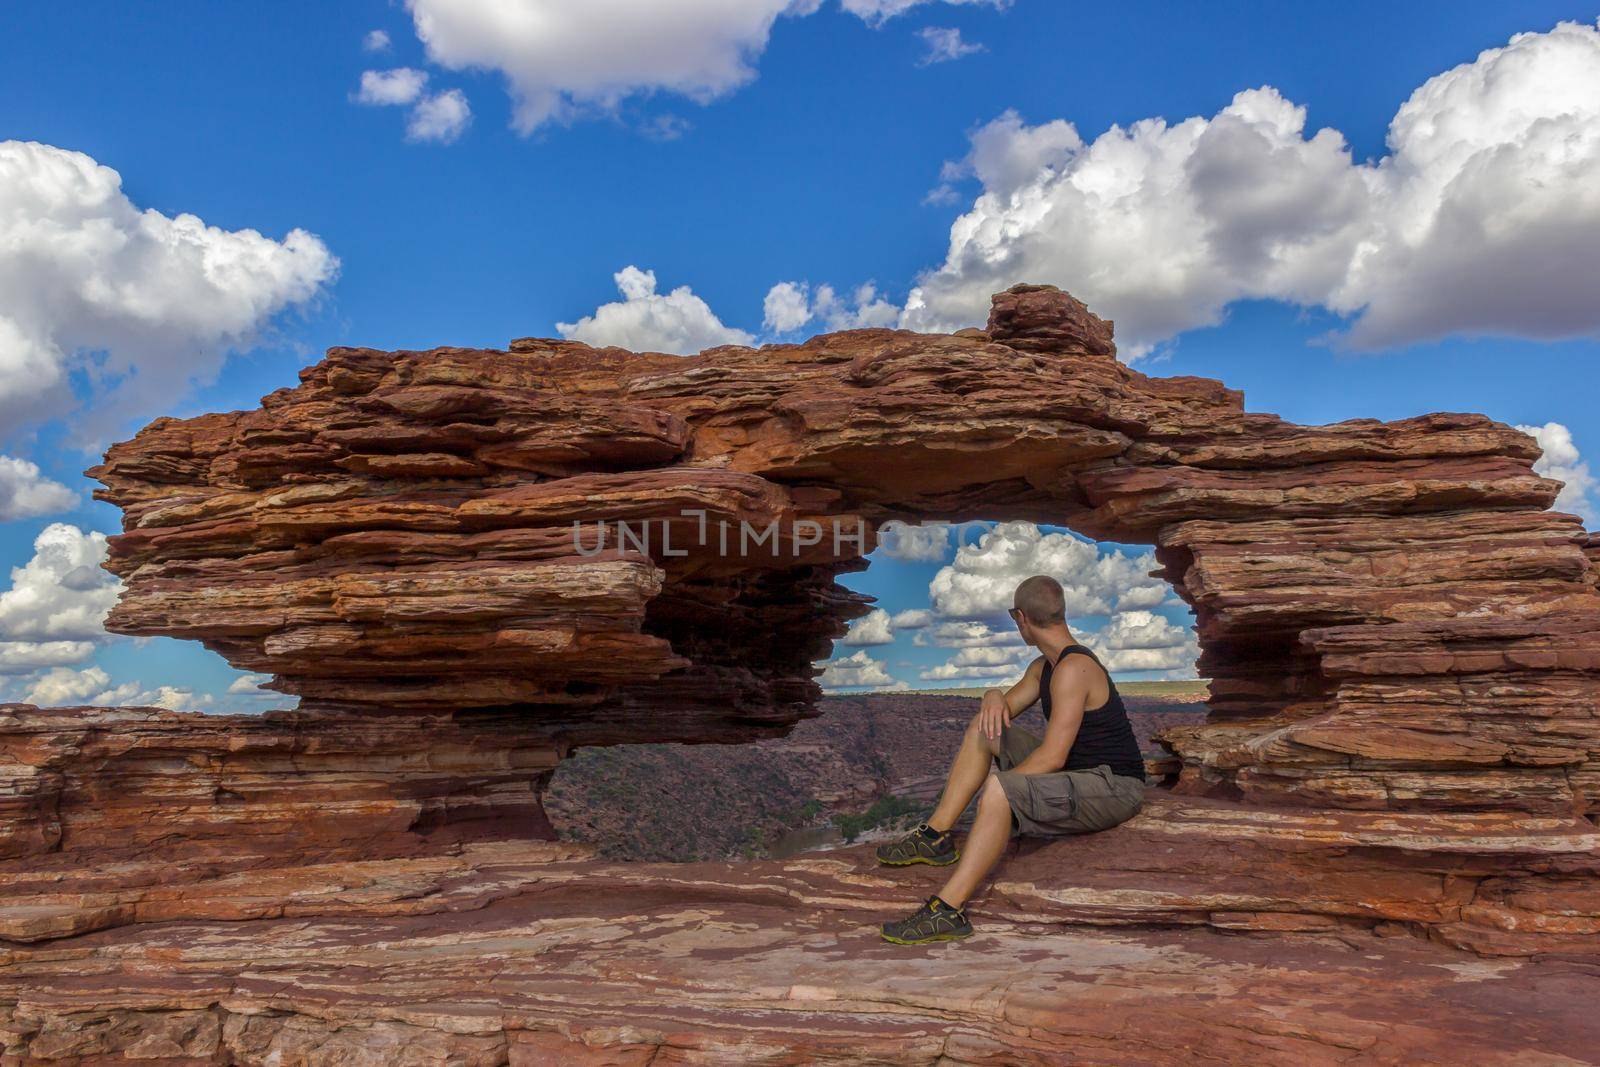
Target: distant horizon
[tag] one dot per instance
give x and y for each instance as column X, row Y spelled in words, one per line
column 1187, row 685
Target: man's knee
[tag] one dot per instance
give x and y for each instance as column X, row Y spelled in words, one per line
column 975, row 735
column 992, row 800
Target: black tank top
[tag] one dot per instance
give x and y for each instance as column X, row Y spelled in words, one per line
column 1106, row 735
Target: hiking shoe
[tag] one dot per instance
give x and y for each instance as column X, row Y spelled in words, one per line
column 922, row 845
column 934, row 921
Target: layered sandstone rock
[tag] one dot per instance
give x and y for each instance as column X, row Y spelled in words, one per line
column 102, row 810
column 1391, row 617
column 1390, row 805
column 159, row 903
column 700, row 965
column 113, row 817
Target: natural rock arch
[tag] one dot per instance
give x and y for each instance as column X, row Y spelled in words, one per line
column 1391, row 616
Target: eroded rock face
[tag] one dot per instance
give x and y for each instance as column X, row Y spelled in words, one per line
column 101, row 807
column 1391, row 617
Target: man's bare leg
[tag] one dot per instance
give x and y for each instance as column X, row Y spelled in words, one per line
column 991, row 831
column 967, row 772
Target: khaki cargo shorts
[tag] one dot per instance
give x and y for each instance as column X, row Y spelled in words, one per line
column 1062, row 802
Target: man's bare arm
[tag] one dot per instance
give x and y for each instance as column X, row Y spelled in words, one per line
column 999, row 707
column 1069, row 693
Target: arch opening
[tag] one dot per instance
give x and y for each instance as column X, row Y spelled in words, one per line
column 942, row 591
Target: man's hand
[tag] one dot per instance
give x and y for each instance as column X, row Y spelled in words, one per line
column 994, row 715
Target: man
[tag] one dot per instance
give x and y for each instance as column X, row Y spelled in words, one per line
column 1085, row 774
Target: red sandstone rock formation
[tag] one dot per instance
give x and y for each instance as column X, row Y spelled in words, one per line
column 1390, row 616
column 280, row 890
column 114, row 816
column 1393, row 795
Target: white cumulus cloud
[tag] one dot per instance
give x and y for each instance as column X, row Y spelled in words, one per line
column 440, row 118
column 975, row 662
column 250, row 685
column 25, row 657
column 63, row 686
column 944, row 44
column 1484, row 218
column 391, row 88
column 435, row 117
column 857, row 671
column 927, row 543
column 25, row 493
column 173, row 698
column 965, row 633
column 1143, row 641
column 563, row 59
column 950, row 672
column 54, row 613
column 62, row 593
column 873, row 628
column 787, row 307
column 1562, row 462
column 375, row 41
column 790, row 305
column 647, row 321
column 984, row 576
column 143, row 305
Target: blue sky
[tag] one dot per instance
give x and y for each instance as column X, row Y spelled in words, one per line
column 729, row 151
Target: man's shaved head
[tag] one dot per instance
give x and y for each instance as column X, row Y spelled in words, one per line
column 1041, row 601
